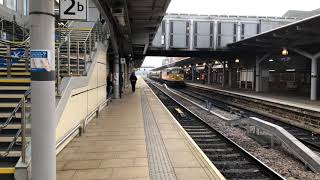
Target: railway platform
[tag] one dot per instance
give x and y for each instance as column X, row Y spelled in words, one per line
column 284, row 99
column 135, row 138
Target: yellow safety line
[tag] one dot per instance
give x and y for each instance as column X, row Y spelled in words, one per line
column 15, row 80
column 7, row 170
column 16, row 73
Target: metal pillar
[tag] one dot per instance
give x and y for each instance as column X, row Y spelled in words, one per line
column 258, row 73
column 167, row 34
column 314, row 75
column 43, row 132
column 215, row 35
column 69, row 54
column 223, row 74
column 238, row 31
column 247, row 72
column 192, row 73
column 258, row 78
column 78, row 59
column 230, row 76
column 191, row 35
column 116, row 71
column 8, row 61
column 209, row 73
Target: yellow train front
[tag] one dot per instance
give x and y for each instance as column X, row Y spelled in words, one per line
column 173, row 76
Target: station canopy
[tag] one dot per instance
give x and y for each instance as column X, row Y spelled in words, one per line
column 303, row 35
column 135, row 24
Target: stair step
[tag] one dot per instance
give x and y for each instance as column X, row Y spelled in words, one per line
column 16, row 73
column 16, row 80
column 11, row 96
column 19, row 88
column 7, row 170
column 12, row 153
column 10, row 138
column 16, row 126
column 9, row 105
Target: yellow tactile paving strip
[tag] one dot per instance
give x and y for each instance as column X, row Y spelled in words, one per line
column 114, row 147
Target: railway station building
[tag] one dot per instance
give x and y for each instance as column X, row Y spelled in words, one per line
column 67, row 110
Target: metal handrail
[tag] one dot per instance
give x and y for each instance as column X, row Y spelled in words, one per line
column 24, row 30
column 87, row 38
column 21, row 131
column 13, row 113
column 13, row 142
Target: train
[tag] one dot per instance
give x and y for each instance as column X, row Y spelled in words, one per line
column 172, row 76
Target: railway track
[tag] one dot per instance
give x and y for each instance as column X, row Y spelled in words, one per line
column 310, row 139
column 231, row 160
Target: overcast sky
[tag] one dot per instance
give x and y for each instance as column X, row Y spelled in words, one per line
column 235, row 7
column 241, row 7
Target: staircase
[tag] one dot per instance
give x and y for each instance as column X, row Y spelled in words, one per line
column 15, row 84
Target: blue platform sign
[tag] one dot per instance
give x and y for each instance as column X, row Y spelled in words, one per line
column 40, row 60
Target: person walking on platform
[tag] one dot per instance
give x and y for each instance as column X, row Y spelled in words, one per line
column 109, row 86
column 133, row 80
column 203, row 78
column 121, row 84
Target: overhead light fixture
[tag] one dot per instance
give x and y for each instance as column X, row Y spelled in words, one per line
column 216, row 62
column 272, row 70
column 237, row 61
column 190, row 66
column 197, row 64
column 271, row 60
column 285, row 52
column 290, row 70
column 204, row 64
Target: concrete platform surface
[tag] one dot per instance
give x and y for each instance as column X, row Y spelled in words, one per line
column 280, row 98
column 135, row 138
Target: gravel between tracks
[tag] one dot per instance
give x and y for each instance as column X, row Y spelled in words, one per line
column 277, row 159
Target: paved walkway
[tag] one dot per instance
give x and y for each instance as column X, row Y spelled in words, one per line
column 135, row 138
column 281, row 98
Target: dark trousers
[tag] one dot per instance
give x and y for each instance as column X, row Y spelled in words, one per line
column 133, row 86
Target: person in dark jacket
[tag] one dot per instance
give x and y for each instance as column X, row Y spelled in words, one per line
column 133, row 80
column 109, row 86
column 121, row 84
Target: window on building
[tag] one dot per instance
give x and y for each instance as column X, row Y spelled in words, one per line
column 1, row 2
column 12, row 4
column 26, row 7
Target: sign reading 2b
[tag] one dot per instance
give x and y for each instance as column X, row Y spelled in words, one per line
column 73, row 9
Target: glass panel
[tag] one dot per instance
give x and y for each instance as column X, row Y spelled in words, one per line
column 12, row 4
column 26, row 7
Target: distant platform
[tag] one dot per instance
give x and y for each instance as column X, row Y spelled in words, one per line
column 280, row 98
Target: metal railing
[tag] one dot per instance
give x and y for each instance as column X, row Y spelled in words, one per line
column 22, row 131
column 79, row 46
column 10, row 27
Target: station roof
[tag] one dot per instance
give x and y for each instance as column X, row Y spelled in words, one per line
column 135, row 23
column 184, row 62
column 303, row 35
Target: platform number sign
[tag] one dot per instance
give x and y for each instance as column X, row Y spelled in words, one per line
column 73, row 9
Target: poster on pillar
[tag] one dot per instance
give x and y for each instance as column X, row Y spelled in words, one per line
column 40, row 60
column 116, row 79
column 74, row 9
